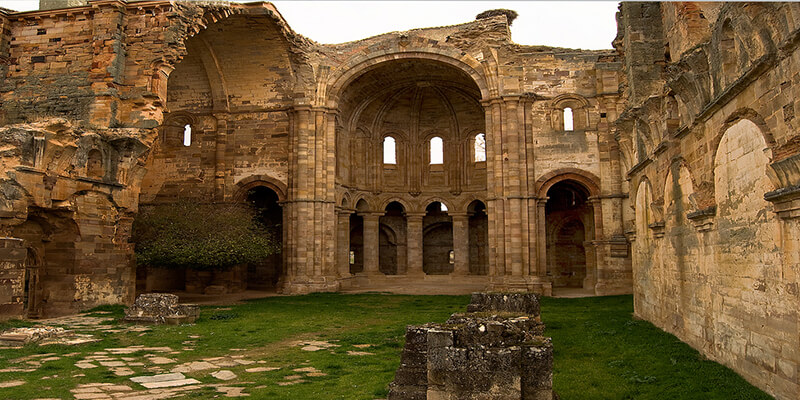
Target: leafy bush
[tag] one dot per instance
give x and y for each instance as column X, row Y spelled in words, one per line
column 201, row 236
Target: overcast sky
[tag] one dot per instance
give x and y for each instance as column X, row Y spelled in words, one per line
column 586, row 25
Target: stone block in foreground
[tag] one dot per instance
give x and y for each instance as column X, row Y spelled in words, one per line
column 494, row 351
column 161, row 308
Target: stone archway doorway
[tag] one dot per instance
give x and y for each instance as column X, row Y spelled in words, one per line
column 266, row 275
column 570, row 229
column 437, row 240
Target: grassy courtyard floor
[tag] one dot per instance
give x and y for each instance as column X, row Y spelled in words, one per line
column 600, row 352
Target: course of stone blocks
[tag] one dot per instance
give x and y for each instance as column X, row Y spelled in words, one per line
column 493, row 351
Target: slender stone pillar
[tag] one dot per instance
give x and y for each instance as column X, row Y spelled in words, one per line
column 219, row 156
column 461, row 243
column 541, row 237
column 343, row 243
column 371, row 242
column 414, row 243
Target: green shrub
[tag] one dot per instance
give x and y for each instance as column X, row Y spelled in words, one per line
column 187, row 234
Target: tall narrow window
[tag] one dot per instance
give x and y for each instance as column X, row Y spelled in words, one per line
column 568, row 121
column 480, row 147
column 389, row 150
column 187, row 135
column 437, row 151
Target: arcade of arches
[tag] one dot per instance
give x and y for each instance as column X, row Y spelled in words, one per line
column 436, row 160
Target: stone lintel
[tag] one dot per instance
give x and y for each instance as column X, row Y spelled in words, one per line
column 786, row 201
column 703, row 220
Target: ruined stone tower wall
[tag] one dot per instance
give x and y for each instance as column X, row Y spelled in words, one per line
column 713, row 180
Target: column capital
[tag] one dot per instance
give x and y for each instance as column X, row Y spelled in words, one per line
column 344, row 211
column 371, row 214
column 415, row 214
column 454, row 215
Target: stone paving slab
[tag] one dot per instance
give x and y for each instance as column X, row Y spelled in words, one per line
column 224, row 375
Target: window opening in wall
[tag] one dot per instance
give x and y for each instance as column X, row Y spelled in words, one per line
column 480, row 147
column 352, row 257
column 443, row 208
column 452, row 257
column 437, row 151
column 568, row 120
column 389, row 150
column 187, row 135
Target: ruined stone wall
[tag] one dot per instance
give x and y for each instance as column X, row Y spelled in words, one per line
column 12, row 278
column 82, row 92
column 96, row 101
column 713, row 180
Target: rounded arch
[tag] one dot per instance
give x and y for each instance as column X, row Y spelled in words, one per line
column 637, row 185
column 385, row 203
column 346, row 200
column 363, row 205
column 589, row 180
column 572, row 100
column 359, row 65
column 476, row 205
column 423, row 205
column 466, row 204
column 245, row 184
column 399, row 136
column 736, row 116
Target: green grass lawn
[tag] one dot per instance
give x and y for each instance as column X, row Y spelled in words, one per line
column 600, row 351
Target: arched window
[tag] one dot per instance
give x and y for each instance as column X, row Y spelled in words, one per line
column 389, row 150
column 568, row 120
column 443, row 207
column 480, row 147
column 437, row 151
column 187, row 135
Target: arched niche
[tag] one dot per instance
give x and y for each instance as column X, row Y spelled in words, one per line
column 478, row 236
column 569, row 220
column 437, row 240
column 393, row 245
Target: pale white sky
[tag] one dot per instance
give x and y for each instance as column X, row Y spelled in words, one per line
column 586, row 25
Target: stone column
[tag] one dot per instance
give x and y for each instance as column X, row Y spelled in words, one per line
column 541, row 237
column 460, row 243
column 371, row 242
column 343, row 242
column 310, row 206
column 220, row 144
column 414, row 243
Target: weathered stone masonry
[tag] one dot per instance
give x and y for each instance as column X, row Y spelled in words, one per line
column 710, row 152
column 678, row 178
column 97, row 99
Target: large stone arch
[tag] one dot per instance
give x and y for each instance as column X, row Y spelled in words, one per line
column 245, row 184
column 586, row 178
column 759, row 124
column 358, row 65
column 201, row 18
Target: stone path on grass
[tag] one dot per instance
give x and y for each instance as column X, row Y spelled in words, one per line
column 154, row 372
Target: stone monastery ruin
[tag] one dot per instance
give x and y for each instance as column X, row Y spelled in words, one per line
column 667, row 167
